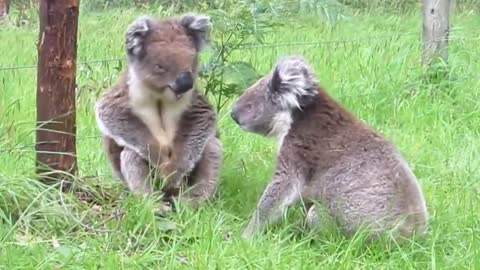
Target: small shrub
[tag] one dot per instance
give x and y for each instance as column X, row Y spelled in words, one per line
column 235, row 25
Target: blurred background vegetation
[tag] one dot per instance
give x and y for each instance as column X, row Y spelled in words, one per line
column 239, row 24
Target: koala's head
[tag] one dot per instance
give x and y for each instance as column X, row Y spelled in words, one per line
column 266, row 107
column 162, row 53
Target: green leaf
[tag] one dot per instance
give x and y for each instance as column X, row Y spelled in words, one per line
column 166, row 225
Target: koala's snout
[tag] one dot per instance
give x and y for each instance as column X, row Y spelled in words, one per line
column 183, row 82
column 241, row 112
column 234, row 115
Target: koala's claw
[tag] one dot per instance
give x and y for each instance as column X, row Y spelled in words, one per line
column 165, row 207
column 171, row 188
column 168, row 199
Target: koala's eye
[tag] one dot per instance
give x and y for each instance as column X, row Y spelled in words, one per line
column 159, row 69
column 249, row 107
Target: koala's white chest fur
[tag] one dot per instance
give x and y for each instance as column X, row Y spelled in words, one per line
column 161, row 120
column 280, row 126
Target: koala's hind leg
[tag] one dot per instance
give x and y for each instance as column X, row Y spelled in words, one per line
column 283, row 191
column 204, row 179
column 113, row 151
column 135, row 171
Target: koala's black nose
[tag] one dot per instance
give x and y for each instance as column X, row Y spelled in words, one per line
column 234, row 116
column 184, row 82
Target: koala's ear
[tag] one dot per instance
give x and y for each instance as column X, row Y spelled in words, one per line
column 276, row 81
column 293, row 81
column 137, row 31
column 291, row 73
column 198, row 26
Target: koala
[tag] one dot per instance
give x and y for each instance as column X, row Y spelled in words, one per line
column 154, row 118
column 327, row 157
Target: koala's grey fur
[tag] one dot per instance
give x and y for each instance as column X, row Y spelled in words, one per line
column 155, row 119
column 327, row 155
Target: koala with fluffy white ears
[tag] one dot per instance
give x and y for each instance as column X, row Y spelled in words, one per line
column 154, row 118
column 328, row 156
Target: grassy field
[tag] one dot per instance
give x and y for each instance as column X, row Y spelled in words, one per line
column 433, row 118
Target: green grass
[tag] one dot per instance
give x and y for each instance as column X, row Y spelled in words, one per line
column 434, row 118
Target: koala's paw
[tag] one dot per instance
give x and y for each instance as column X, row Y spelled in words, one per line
column 165, row 159
column 167, row 168
column 172, row 185
column 166, row 152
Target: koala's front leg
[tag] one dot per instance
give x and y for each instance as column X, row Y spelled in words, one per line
column 174, row 171
column 163, row 139
column 283, row 191
column 135, row 171
column 184, row 161
column 205, row 177
column 195, row 132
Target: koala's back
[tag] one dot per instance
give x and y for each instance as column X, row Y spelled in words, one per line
column 372, row 185
column 356, row 173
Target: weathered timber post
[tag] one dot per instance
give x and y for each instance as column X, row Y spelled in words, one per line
column 4, row 8
column 435, row 30
column 57, row 52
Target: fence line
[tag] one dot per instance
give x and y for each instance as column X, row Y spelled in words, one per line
column 325, row 42
column 261, row 46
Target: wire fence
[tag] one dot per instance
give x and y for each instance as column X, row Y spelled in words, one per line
column 383, row 37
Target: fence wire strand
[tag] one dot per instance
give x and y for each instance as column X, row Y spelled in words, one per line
column 267, row 46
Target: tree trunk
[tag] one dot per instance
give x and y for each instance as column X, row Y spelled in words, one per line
column 56, row 129
column 435, row 30
column 4, row 8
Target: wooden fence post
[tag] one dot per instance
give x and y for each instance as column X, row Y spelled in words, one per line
column 435, row 30
column 4, row 8
column 56, row 128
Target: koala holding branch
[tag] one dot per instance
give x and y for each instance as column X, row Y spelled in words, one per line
column 154, row 117
column 327, row 155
